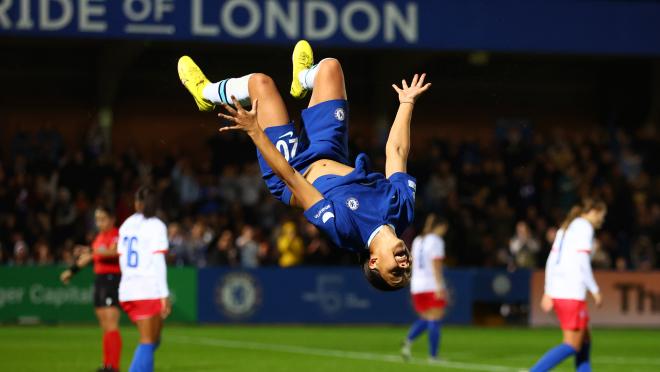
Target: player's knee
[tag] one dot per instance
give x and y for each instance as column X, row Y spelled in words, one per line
column 331, row 67
column 261, row 81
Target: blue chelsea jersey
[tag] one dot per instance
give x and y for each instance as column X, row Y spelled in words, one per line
column 357, row 204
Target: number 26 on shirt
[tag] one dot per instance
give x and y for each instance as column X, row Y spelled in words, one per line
column 132, row 258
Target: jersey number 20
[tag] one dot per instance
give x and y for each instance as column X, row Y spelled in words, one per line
column 132, row 254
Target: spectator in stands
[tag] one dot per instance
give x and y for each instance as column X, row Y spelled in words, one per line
column 21, row 252
column 524, row 247
column 290, row 246
column 317, row 250
column 225, row 252
column 248, row 248
column 177, row 253
column 198, row 243
column 42, row 253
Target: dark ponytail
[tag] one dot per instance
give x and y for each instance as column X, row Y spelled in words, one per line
column 584, row 207
column 147, row 196
column 433, row 221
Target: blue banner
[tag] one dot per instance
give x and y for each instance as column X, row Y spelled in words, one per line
column 315, row 295
column 576, row 26
column 500, row 286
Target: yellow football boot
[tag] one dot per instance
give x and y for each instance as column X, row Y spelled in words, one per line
column 194, row 80
column 302, row 58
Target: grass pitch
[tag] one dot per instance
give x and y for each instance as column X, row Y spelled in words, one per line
column 323, row 349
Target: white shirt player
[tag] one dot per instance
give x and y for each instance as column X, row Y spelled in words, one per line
column 425, row 249
column 141, row 247
column 568, row 272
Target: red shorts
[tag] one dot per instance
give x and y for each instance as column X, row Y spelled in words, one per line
column 142, row 309
column 572, row 314
column 425, row 301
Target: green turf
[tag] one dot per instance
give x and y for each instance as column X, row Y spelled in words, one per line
column 330, row 349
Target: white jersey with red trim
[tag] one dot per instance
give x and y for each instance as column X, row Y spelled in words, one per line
column 425, row 249
column 568, row 272
column 141, row 247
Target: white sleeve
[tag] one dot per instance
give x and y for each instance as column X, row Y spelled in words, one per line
column 160, row 270
column 548, row 275
column 548, row 264
column 584, row 236
column 584, row 261
column 436, row 247
column 158, row 235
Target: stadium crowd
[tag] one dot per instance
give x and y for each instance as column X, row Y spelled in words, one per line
column 503, row 198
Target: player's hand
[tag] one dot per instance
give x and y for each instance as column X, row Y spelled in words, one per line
column 66, row 276
column 409, row 94
column 598, row 299
column 166, row 307
column 441, row 294
column 546, row 303
column 242, row 119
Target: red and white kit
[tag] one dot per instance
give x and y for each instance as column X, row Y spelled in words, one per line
column 568, row 274
column 142, row 245
column 423, row 284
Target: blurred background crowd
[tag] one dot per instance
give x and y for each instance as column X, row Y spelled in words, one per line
column 504, row 194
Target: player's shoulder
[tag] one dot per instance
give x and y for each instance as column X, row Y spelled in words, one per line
column 130, row 222
column 581, row 225
column 155, row 223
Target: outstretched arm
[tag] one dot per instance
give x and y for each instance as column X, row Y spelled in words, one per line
column 304, row 192
column 398, row 142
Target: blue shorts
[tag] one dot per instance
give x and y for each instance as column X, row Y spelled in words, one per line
column 324, row 135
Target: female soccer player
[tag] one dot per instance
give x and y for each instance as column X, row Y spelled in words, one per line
column 106, row 267
column 568, row 276
column 427, row 285
column 143, row 291
column 357, row 209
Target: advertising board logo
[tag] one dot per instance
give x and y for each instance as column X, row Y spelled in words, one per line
column 238, row 295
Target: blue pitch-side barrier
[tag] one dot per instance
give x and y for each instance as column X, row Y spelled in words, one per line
column 339, row 295
column 570, row 26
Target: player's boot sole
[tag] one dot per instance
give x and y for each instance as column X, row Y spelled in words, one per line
column 302, row 58
column 194, row 80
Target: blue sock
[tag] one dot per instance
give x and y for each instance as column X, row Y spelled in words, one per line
column 553, row 357
column 582, row 358
column 417, row 329
column 143, row 359
column 434, row 337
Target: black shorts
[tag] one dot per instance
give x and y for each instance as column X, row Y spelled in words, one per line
column 106, row 290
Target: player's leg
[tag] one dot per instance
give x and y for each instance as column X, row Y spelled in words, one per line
column 143, row 358
column 109, row 321
column 583, row 357
column 416, row 330
column 246, row 88
column 325, row 79
column 325, row 121
column 570, row 346
column 272, row 116
column 434, row 317
column 420, row 304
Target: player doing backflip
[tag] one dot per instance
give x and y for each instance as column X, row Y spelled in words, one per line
column 357, row 209
column 568, row 277
column 143, row 291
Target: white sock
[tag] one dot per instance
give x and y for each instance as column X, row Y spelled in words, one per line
column 210, row 92
column 222, row 91
column 308, row 75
